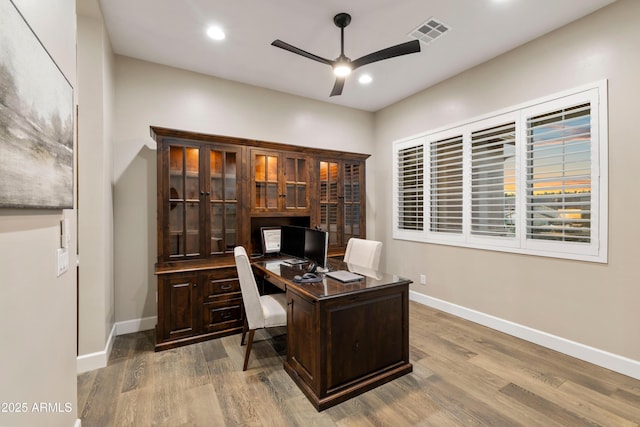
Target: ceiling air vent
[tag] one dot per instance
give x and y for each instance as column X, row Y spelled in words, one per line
column 429, row 31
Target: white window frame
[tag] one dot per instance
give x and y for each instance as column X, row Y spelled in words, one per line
column 595, row 251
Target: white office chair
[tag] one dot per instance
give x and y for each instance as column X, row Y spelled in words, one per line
column 261, row 311
column 363, row 253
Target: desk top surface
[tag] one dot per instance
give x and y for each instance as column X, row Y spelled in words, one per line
column 330, row 287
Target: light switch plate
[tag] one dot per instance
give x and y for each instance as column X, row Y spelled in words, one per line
column 63, row 260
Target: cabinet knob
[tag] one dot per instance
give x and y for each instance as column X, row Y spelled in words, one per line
column 195, row 285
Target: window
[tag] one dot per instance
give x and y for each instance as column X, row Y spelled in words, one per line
column 530, row 179
column 410, row 188
column 445, row 179
column 493, row 180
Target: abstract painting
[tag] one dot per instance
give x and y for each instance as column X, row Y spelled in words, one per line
column 36, row 120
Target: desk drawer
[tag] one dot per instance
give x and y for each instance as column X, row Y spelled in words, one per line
column 222, row 315
column 219, row 283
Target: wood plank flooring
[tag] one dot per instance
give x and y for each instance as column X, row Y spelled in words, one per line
column 464, row 375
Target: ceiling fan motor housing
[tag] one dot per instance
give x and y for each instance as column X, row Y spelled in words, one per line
column 342, row 20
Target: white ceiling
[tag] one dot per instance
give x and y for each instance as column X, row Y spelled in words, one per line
column 172, row 32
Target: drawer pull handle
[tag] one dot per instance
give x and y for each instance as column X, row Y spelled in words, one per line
column 226, row 315
column 225, row 287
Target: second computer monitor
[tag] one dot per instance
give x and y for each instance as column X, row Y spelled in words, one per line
column 315, row 246
column 304, row 243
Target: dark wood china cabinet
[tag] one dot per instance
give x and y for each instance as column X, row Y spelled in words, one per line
column 216, row 192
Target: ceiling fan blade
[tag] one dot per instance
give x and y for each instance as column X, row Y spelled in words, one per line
column 412, row 46
column 337, row 87
column 293, row 49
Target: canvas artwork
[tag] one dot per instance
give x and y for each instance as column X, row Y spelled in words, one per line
column 36, row 120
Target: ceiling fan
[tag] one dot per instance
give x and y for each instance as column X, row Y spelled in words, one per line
column 343, row 66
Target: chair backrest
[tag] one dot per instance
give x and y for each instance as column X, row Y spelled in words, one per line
column 249, row 289
column 362, row 252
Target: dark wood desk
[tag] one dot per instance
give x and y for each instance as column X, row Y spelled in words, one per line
column 343, row 339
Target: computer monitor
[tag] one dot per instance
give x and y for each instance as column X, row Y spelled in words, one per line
column 270, row 237
column 292, row 241
column 315, row 246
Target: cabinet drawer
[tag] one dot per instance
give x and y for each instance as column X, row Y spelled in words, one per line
column 222, row 315
column 220, row 283
column 214, row 288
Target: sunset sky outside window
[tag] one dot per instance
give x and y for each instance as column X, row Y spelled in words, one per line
column 560, row 156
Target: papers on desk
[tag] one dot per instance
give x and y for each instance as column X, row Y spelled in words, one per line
column 293, row 261
column 344, row 276
column 273, row 266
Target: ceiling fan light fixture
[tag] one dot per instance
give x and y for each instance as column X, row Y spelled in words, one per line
column 342, row 69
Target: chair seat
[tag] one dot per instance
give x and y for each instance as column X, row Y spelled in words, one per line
column 274, row 309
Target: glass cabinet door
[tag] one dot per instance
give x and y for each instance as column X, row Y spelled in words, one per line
column 329, row 200
column 296, row 175
column 223, row 199
column 351, row 193
column 184, row 201
column 265, row 174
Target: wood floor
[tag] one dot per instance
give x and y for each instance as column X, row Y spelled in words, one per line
column 464, row 375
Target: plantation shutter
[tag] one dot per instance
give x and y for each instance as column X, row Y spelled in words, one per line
column 446, row 185
column 493, row 181
column 410, row 191
column 558, row 204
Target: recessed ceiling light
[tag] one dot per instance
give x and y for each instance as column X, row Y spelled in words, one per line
column 216, row 33
column 365, row 79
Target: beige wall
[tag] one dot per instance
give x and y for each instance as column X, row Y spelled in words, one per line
column 95, row 171
column 38, row 309
column 150, row 94
column 592, row 304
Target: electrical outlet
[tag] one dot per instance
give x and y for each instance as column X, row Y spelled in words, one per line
column 423, row 279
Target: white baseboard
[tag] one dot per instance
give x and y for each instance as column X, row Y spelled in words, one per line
column 99, row 359
column 589, row 354
column 136, row 325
